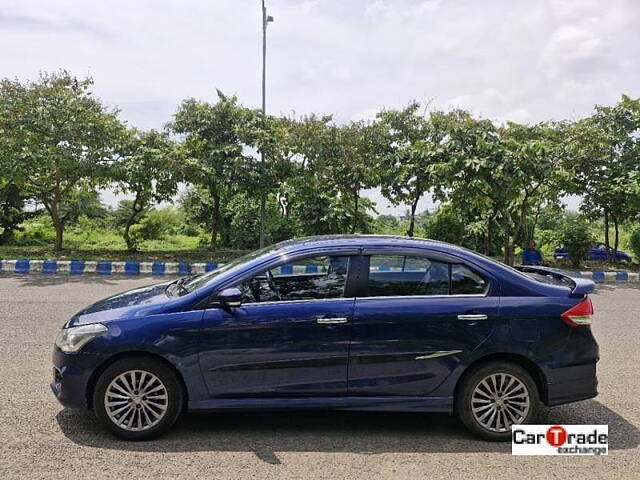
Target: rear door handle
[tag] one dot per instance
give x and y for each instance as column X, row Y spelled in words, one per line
column 329, row 321
column 472, row 318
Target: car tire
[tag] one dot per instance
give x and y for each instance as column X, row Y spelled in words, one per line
column 138, row 398
column 501, row 387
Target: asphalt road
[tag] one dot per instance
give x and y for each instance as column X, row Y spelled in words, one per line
column 40, row 439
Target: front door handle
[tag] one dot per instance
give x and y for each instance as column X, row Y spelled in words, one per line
column 472, row 318
column 329, row 321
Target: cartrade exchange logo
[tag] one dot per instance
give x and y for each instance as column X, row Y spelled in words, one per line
column 560, row 439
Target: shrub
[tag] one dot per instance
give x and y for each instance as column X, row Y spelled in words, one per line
column 575, row 235
column 37, row 231
column 634, row 242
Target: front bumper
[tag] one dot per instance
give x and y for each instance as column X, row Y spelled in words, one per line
column 71, row 376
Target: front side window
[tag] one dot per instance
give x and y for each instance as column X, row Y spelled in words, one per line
column 308, row 279
column 402, row 275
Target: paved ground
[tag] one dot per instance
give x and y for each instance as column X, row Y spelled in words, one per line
column 42, row 440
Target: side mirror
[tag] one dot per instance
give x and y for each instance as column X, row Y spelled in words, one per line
column 230, row 298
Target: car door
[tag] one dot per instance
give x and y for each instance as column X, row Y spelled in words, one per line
column 290, row 337
column 416, row 322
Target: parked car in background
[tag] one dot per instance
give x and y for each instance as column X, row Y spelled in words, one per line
column 343, row 322
column 598, row 252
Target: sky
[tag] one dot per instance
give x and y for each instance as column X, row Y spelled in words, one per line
column 520, row 60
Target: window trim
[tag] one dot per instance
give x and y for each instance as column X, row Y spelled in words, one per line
column 290, row 302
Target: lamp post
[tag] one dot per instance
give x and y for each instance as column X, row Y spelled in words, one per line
column 263, row 196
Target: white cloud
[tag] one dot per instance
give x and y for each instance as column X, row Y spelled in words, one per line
column 376, row 8
column 526, row 61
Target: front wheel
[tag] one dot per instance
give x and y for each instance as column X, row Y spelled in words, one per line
column 138, row 398
column 495, row 396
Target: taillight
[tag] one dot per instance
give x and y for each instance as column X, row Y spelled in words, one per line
column 580, row 314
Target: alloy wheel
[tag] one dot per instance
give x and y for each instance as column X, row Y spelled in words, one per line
column 500, row 400
column 136, row 400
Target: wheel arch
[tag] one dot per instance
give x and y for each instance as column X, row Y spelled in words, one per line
column 536, row 373
column 93, row 380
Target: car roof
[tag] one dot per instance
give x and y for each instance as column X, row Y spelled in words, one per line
column 363, row 240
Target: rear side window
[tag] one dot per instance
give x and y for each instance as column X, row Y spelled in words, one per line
column 466, row 282
column 400, row 275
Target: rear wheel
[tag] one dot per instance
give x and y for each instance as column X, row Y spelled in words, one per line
column 138, row 398
column 494, row 396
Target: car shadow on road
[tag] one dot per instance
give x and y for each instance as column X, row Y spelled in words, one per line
column 267, row 433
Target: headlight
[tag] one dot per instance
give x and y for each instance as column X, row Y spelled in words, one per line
column 71, row 340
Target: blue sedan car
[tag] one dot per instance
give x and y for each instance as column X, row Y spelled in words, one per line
column 336, row 322
column 597, row 252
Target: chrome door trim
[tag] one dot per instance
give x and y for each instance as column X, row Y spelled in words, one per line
column 440, row 353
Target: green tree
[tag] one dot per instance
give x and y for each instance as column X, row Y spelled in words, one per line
column 54, row 137
column 634, row 242
column 267, row 175
column 310, row 197
column 507, row 172
column 603, row 154
column 149, row 169
column 575, row 236
column 12, row 211
column 350, row 163
column 413, row 144
column 216, row 160
column 82, row 201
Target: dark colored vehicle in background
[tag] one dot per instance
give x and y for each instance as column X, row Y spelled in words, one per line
column 337, row 322
column 597, row 252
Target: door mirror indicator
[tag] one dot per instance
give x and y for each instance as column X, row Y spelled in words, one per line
column 230, row 298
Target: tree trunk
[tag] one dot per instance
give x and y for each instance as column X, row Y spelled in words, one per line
column 535, row 223
column 131, row 245
column 606, row 232
column 356, row 199
column 616, row 240
column 53, row 208
column 7, row 236
column 215, row 220
column 507, row 257
column 59, row 233
column 412, row 220
column 487, row 240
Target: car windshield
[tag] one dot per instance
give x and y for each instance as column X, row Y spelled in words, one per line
column 202, row 280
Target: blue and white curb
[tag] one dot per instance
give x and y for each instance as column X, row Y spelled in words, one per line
column 80, row 267
column 610, row 277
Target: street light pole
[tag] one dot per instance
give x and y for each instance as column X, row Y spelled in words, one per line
column 263, row 196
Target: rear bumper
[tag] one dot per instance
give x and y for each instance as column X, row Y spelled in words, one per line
column 571, row 384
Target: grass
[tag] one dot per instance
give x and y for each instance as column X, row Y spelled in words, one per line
column 165, row 255
column 595, row 265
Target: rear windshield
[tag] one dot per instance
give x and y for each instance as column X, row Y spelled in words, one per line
column 550, row 279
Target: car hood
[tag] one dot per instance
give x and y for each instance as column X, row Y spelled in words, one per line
column 132, row 303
